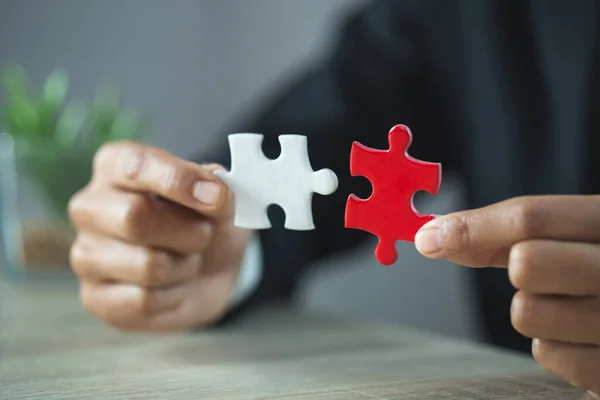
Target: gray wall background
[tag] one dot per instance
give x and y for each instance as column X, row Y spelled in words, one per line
column 192, row 65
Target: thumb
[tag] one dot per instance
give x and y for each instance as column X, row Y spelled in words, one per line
column 476, row 238
column 484, row 236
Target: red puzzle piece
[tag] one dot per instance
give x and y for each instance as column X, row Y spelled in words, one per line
column 395, row 176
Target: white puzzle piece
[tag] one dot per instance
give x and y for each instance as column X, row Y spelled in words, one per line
column 288, row 181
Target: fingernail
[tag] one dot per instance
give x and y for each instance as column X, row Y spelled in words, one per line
column 207, row 192
column 428, row 239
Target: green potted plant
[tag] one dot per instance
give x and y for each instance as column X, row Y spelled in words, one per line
column 46, row 153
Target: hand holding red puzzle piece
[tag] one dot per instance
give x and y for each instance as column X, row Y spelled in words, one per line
column 289, row 181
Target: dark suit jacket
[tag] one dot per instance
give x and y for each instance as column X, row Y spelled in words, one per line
column 503, row 92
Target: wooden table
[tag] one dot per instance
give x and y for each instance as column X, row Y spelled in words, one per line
column 51, row 349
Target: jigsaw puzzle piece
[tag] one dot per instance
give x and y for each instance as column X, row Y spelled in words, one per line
column 288, row 181
column 298, row 181
column 250, row 213
column 395, row 176
column 296, row 162
column 250, row 208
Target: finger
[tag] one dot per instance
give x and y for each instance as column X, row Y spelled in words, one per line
column 561, row 318
column 577, row 364
column 129, row 306
column 554, row 267
column 206, row 302
column 463, row 237
column 104, row 259
column 136, row 167
column 199, row 302
column 139, row 219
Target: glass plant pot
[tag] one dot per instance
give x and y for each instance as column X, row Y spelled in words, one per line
column 36, row 184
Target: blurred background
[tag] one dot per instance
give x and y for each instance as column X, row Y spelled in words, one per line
column 176, row 73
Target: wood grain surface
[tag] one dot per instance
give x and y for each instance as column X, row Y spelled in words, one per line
column 51, row 349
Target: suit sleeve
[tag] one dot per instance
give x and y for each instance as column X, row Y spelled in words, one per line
column 371, row 80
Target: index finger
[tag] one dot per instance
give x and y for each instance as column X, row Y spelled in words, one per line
column 137, row 167
column 490, row 230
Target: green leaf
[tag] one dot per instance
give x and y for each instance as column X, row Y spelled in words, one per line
column 104, row 111
column 14, row 81
column 22, row 117
column 55, row 89
column 126, row 125
column 53, row 97
column 107, row 101
column 69, row 124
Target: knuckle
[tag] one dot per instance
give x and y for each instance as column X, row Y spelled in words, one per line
column 204, row 237
column 538, row 351
column 529, row 217
column 103, row 156
column 77, row 208
column 457, row 233
column 78, row 253
column 89, row 301
column 136, row 215
column 188, row 268
column 99, row 308
column 143, row 305
column 521, row 265
column 74, row 205
column 154, row 268
column 544, row 354
column 134, row 162
column 127, row 158
column 174, row 180
column 524, row 314
column 146, row 303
